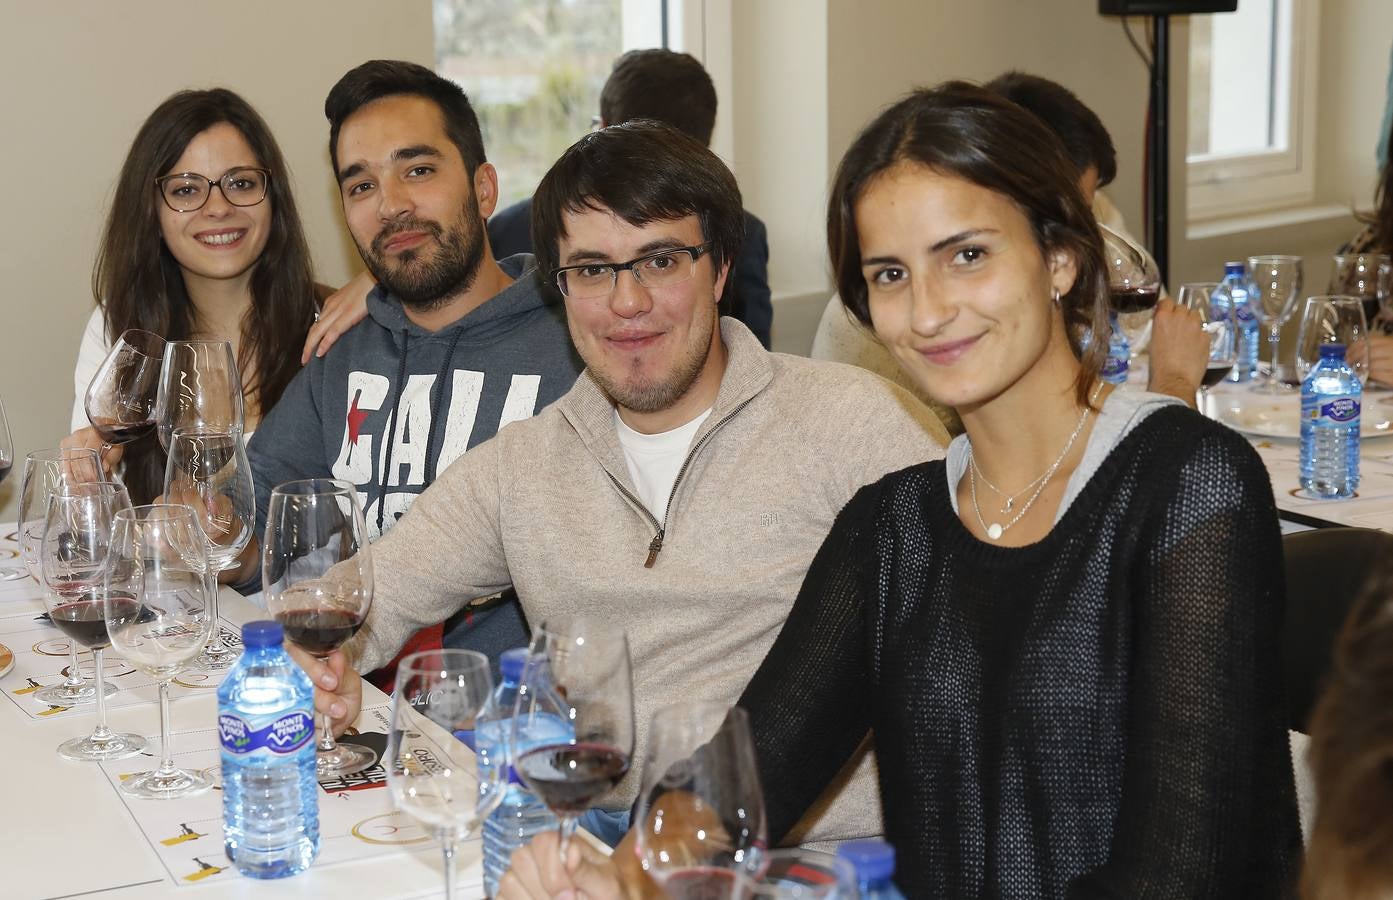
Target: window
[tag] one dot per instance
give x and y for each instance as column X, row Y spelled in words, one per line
column 1252, row 104
column 534, row 69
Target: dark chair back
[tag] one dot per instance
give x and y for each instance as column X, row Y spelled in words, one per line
column 1326, row 569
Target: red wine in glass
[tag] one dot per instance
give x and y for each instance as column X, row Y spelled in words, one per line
column 122, row 432
column 1135, row 300
column 4, row 469
column 320, row 631
column 1215, row 373
column 82, row 616
column 570, row 777
column 700, row 883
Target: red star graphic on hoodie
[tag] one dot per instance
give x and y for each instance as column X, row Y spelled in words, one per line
column 355, row 421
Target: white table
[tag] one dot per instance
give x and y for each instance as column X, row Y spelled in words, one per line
column 66, row 832
column 1264, row 419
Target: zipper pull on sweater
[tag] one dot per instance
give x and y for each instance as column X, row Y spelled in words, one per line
column 655, row 547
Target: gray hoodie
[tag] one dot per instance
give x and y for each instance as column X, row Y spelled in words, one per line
column 391, row 405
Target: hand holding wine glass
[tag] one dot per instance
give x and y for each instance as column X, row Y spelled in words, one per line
column 579, row 672
column 317, row 581
column 1216, row 320
column 207, row 470
column 73, row 559
column 157, row 616
column 434, row 777
column 700, row 819
column 1134, row 285
column 120, row 400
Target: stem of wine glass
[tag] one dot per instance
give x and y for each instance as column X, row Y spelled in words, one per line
column 327, row 744
column 214, row 647
column 447, row 847
column 166, row 755
column 101, row 733
column 75, row 679
column 564, row 832
column 1274, row 337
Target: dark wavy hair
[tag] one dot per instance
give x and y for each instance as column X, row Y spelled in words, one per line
column 138, row 283
column 967, row 132
column 1349, row 854
column 662, row 85
column 642, row 171
column 1382, row 217
column 1079, row 128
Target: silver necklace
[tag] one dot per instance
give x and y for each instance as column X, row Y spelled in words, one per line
column 1010, row 499
column 995, row 530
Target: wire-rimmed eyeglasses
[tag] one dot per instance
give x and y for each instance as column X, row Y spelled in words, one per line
column 661, row 269
column 189, row 191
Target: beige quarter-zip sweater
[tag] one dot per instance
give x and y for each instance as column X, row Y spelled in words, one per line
column 547, row 506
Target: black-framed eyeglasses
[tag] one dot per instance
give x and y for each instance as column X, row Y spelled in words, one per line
column 189, row 191
column 661, row 269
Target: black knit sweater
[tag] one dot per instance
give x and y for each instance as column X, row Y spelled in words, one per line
column 1098, row 714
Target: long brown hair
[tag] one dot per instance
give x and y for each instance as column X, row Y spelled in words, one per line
column 1350, row 852
column 1382, row 218
column 138, row 283
column 962, row 130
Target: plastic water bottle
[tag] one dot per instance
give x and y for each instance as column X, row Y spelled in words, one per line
column 1116, row 366
column 1235, row 285
column 266, row 727
column 1330, row 400
column 521, row 816
column 874, row 864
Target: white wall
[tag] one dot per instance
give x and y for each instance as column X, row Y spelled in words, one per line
column 76, row 81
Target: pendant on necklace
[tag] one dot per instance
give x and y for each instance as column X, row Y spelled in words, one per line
column 1009, row 502
column 994, row 531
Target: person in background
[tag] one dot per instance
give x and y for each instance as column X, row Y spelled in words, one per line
column 1075, row 689
column 684, row 483
column 455, row 345
column 1349, row 855
column 1177, row 358
column 672, row 88
column 203, row 242
column 1376, row 236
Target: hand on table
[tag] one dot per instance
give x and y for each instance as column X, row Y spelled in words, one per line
column 1179, row 351
column 338, row 689
column 537, row 872
column 1381, row 358
column 339, row 312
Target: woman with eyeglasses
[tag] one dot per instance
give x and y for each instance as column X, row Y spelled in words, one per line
column 203, row 242
column 1064, row 637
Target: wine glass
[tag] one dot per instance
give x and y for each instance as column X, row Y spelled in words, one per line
column 433, row 776
column 7, row 459
column 44, row 472
column 700, row 817
column 157, row 616
column 1134, row 285
column 798, row 874
column 1333, row 320
column 578, row 672
column 207, row 470
column 120, row 400
column 72, row 561
column 1366, row 276
column 200, row 386
column 316, row 575
column 1273, row 283
column 1217, row 322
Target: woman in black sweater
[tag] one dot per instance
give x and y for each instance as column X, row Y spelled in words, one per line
column 1064, row 636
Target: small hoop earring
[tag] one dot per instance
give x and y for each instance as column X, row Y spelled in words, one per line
column 1055, row 296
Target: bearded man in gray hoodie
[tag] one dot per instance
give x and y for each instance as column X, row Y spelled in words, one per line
column 682, row 485
column 455, row 345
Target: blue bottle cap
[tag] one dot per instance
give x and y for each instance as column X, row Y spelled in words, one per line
column 512, row 662
column 872, row 860
column 1235, row 268
column 1332, row 351
column 262, row 634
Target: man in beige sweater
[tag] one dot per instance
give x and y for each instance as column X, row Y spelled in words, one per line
column 685, row 482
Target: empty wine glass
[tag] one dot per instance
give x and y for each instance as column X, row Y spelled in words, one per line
column 208, row 471
column 1333, row 320
column 44, row 472
column 1134, row 285
column 7, row 459
column 72, row 560
column 1366, row 276
column 434, row 777
column 157, row 616
column 1273, row 284
column 579, row 672
column 1217, row 322
column 700, row 817
column 316, row 575
column 120, row 399
column 200, row 386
